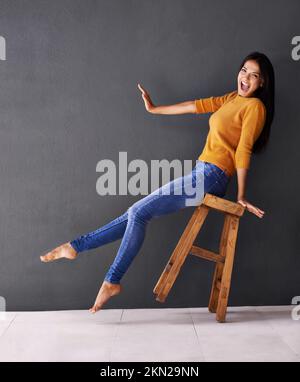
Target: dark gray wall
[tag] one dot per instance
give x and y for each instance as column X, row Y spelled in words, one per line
column 68, row 98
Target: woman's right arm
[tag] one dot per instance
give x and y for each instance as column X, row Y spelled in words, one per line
column 187, row 107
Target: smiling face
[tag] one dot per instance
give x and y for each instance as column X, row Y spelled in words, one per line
column 249, row 79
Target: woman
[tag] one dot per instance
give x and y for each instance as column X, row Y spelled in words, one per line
column 240, row 124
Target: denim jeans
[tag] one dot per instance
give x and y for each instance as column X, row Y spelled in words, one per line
column 131, row 226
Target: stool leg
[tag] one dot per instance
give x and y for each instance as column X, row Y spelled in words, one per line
column 161, row 282
column 229, row 251
column 215, row 291
column 214, row 294
column 180, row 253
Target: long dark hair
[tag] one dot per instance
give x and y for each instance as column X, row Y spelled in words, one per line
column 266, row 94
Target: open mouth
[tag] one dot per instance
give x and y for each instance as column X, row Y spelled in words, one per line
column 244, row 86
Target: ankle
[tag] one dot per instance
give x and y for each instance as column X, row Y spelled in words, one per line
column 71, row 247
column 108, row 283
column 114, row 288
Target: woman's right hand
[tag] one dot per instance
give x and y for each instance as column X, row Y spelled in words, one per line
column 147, row 100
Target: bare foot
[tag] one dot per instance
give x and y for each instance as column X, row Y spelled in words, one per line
column 106, row 291
column 65, row 250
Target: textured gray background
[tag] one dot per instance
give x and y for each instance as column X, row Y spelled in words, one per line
column 68, row 98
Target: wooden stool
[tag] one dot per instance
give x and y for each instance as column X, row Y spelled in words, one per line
column 224, row 259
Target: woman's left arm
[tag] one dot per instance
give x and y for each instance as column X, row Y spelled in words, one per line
column 252, row 125
column 241, row 198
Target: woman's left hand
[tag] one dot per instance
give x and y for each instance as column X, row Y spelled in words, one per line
column 251, row 208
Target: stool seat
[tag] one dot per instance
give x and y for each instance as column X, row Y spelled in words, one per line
column 224, row 259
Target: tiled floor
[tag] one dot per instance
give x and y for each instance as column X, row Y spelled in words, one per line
column 250, row 334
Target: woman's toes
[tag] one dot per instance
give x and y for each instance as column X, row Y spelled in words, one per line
column 46, row 258
column 93, row 309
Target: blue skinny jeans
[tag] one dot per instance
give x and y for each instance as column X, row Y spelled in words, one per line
column 131, row 226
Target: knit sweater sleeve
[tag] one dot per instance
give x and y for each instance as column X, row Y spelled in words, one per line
column 212, row 104
column 253, row 122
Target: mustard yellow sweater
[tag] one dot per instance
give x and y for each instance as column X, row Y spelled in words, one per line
column 235, row 125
